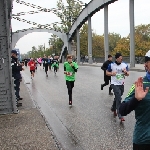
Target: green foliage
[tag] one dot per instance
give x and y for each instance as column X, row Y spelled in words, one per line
column 69, row 13
column 84, row 39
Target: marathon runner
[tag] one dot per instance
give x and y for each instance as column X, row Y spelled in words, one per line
column 32, row 66
column 117, row 70
column 70, row 68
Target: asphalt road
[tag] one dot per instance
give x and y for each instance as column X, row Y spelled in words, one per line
column 88, row 124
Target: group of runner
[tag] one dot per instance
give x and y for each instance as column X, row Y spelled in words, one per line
column 48, row 63
column 138, row 98
column 70, row 68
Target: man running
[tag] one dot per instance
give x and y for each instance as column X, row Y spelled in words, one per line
column 70, row 68
column 26, row 62
column 107, row 78
column 49, row 62
column 117, row 70
column 45, row 62
column 32, row 66
column 55, row 64
column 138, row 99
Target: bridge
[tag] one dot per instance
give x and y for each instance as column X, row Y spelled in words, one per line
column 19, row 34
column 7, row 102
column 87, row 124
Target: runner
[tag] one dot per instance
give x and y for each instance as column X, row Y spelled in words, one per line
column 32, row 66
column 107, row 78
column 40, row 61
column 55, row 64
column 26, row 62
column 45, row 62
column 70, row 68
column 138, row 99
column 51, row 58
column 117, row 70
column 36, row 64
column 49, row 62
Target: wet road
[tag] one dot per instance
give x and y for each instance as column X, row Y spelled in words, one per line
column 89, row 123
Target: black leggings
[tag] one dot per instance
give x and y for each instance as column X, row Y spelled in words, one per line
column 46, row 68
column 70, row 85
column 55, row 69
column 107, row 80
column 141, row 147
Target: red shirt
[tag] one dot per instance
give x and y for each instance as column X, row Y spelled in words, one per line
column 32, row 65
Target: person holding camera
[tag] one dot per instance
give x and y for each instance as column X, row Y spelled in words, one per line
column 138, row 99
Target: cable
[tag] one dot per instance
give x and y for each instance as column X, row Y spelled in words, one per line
column 46, row 26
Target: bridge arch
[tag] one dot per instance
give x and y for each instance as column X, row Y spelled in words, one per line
column 19, row 34
column 92, row 7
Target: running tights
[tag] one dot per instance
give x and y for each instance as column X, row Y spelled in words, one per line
column 70, row 85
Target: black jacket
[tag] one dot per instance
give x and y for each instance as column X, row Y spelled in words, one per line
column 55, row 61
column 15, row 68
column 105, row 66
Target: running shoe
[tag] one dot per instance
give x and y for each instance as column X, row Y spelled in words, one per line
column 110, row 93
column 70, row 102
column 114, row 111
column 122, row 119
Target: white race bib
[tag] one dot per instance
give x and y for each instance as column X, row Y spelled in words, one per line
column 119, row 76
column 69, row 73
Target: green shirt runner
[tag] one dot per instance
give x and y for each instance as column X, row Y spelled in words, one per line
column 70, row 76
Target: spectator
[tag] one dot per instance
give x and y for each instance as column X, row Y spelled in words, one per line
column 16, row 68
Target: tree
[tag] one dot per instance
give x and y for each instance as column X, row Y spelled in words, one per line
column 84, row 39
column 68, row 14
column 123, row 46
column 113, row 39
column 142, row 39
column 56, row 44
column 98, row 45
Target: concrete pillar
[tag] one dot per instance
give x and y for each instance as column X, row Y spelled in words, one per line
column 106, row 38
column 78, row 46
column 90, row 40
column 69, row 48
column 63, row 59
column 7, row 101
column 132, row 34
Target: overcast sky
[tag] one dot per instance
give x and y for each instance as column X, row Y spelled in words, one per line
column 118, row 20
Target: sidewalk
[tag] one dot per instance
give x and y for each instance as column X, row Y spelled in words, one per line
column 26, row 130
column 138, row 67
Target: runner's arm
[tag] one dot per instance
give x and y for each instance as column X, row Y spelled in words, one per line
column 130, row 103
column 75, row 69
column 127, row 71
column 109, row 71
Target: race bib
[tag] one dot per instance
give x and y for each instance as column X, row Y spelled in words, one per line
column 69, row 73
column 119, row 76
column 32, row 64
